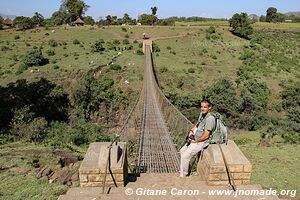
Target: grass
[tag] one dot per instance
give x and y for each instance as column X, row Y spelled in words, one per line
column 272, row 167
column 211, row 60
column 280, row 26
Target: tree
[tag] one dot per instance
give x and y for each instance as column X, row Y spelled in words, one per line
column 271, row 12
column 154, row 10
column 38, row 19
column 279, row 17
column 1, row 22
column 23, row 23
column 126, row 19
column 59, row 17
column 73, row 9
column 145, row 19
column 241, row 25
column 111, row 20
column 262, row 18
column 223, row 95
column 88, row 20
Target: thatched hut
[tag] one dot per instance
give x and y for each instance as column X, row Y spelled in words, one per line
column 7, row 23
column 79, row 22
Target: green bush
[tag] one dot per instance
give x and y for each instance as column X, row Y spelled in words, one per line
column 124, row 29
column 55, row 67
column 163, row 69
column 21, row 69
column 211, row 30
column 35, row 131
column 223, row 97
column 139, row 52
column 116, row 42
column 35, row 58
column 52, row 43
column 155, row 47
column 17, row 37
column 98, row 46
column 5, row 48
column 57, row 134
column 115, row 67
column 258, row 91
column 76, row 42
column 125, row 42
column 50, row 52
column 191, row 70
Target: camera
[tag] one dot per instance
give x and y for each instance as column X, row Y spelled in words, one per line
column 188, row 139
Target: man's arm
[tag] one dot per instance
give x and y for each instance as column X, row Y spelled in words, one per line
column 203, row 137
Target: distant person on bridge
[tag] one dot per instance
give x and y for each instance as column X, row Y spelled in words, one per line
column 200, row 136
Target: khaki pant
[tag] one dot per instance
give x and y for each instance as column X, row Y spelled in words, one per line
column 186, row 153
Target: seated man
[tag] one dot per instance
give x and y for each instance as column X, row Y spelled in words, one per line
column 201, row 133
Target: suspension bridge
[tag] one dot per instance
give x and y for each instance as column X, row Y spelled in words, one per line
column 158, row 125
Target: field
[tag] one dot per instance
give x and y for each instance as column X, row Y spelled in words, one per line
column 188, row 61
column 273, row 166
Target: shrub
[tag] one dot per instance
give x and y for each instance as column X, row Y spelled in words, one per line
column 163, row 69
column 211, row 30
column 21, row 69
column 139, row 52
column 34, row 58
column 124, row 29
column 5, row 48
column 169, row 48
column 116, row 42
column 55, row 67
column 35, row 131
column 126, row 41
column 223, row 96
column 191, row 70
column 258, row 92
column 155, row 47
column 50, row 52
column 17, row 37
column 52, row 43
column 76, row 42
column 98, row 46
column 55, row 137
column 126, row 36
column 115, row 67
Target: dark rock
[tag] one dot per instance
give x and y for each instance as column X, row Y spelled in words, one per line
column 65, row 177
column 54, row 178
column 35, row 163
column 66, row 161
column 69, row 183
column 45, row 171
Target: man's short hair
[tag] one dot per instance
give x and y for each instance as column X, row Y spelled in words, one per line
column 206, row 101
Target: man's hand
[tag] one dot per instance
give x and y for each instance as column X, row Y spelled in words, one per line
column 192, row 130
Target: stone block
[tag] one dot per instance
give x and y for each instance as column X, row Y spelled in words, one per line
column 212, row 166
column 83, row 178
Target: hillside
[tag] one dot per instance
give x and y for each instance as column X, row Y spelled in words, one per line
column 92, row 76
column 297, row 14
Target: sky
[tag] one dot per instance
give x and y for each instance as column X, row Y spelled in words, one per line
column 166, row 8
